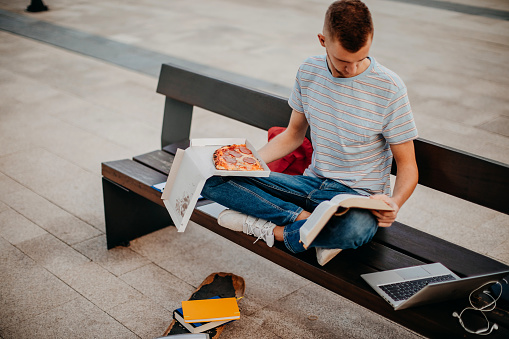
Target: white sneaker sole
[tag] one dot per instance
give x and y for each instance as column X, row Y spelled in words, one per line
column 324, row 255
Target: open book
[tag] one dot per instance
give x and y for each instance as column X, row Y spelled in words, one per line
column 338, row 205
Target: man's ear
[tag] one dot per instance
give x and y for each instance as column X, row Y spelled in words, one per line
column 321, row 38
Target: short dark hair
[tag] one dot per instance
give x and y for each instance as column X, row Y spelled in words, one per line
column 350, row 23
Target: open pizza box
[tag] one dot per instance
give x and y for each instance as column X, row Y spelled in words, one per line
column 189, row 171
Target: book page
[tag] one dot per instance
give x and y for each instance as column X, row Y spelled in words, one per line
column 360, row 201
column 316, row 222
column 338, row 199
column 340, row 203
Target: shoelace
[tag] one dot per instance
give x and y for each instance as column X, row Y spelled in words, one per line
column 264, row 230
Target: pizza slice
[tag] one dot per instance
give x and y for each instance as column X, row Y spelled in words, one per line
column 236, row 158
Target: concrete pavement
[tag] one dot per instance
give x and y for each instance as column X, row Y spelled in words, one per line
column 77, row 86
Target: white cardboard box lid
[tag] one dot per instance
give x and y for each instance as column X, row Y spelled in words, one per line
column 189, row 171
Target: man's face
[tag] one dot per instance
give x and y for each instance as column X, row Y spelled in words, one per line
column 342, row 63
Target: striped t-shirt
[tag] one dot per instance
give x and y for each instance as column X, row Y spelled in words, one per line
column 352, row 122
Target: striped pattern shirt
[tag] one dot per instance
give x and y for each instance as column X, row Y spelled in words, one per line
column 352, row 122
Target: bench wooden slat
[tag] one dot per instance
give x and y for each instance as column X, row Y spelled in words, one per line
column 135, row 177
column 431, row 249
column 157, row 160
column 463, row 175
column 381, row 257
column 230, row 100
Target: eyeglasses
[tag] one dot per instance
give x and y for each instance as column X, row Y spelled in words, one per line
column 481, row 301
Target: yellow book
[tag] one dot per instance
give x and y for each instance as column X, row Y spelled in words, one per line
column 210, row 310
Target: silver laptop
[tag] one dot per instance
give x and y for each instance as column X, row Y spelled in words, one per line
column 425, row 284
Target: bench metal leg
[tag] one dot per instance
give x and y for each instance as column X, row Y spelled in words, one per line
column 129, row 215
column 176, row 121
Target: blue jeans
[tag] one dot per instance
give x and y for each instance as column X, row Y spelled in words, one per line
column 280, row 198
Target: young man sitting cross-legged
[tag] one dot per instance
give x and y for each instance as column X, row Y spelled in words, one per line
column 359, row 118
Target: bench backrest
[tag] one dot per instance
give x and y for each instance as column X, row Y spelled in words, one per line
column 463, row 175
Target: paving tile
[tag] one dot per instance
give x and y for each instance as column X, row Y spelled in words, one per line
column 489, row 90
column 3, row 207
column 265, row 281
column 165, row 243
column 500, row 125
column 47, row 215
column 52, row 254
column 160, row 286
column 9, row 251
column 215, row 256
column 59, row 181
column 224, row 128
column 248, row 327
column 7, row 185
column 128, row 97
column 25, row 90
column 60, row 101
column 501, row 252
column 11, row 144
column 111, row 125
column 143, row 316
column 460, row 136
column 336, row 317
column 81, row 147
column 483, row 237
column 78, row 318
column 98, row 285
column 27, row 289
column 448, row 207
column 456, row 112
column 118, row 260
column 16, row 228
column 57, row 68
column 71, row 142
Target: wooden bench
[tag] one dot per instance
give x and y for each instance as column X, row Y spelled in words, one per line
column 133, row 208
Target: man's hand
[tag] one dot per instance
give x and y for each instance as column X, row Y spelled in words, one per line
column 385, row 218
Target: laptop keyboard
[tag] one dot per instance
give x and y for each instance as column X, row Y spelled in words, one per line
column 405, row 289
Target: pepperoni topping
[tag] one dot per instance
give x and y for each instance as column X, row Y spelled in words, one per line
column 234, row 154
column 229, row 159
column 249, row 161
column 245, row 150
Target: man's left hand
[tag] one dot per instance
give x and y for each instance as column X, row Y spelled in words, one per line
column 385, row 218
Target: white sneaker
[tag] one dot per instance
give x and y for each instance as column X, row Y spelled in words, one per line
column 324, row 255
column 237, row 221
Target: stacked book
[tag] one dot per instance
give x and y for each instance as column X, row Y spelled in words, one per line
column 198, row 316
